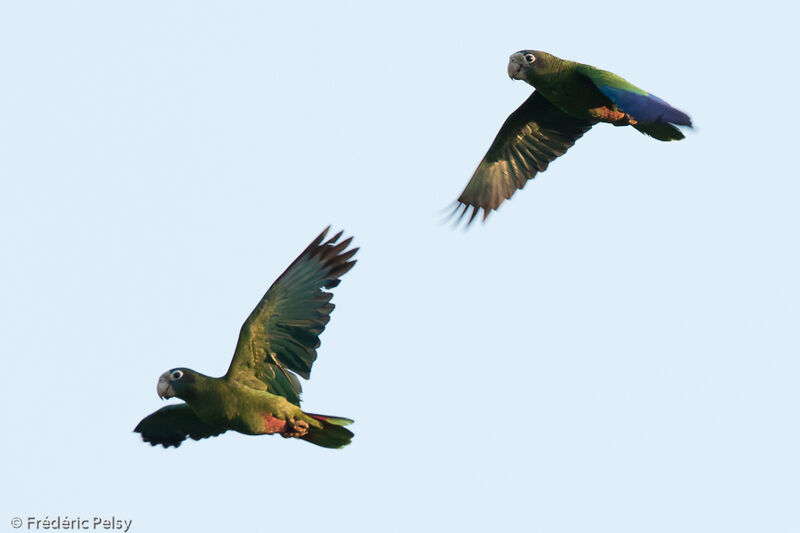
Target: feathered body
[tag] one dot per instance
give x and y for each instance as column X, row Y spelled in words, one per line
column 224, row 403
column 569, row 99
column 583, row 91
column 260, row 393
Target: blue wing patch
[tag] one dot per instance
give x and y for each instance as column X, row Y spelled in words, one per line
column 645, row 108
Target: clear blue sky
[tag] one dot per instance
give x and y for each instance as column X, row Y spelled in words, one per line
column 616, row 350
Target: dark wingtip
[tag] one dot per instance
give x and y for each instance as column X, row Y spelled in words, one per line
column 335, row 255
column 336, row 237
column 458, row 210
column 318, row 240
column 165, row 443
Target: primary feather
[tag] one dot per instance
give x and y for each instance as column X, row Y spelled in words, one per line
column 531, row 137
column 281, row 336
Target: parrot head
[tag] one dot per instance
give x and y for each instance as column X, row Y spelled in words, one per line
column 527, row 65
column 175, row 382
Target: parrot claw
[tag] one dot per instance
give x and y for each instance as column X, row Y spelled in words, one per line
column 294, row 428
column 626, row 120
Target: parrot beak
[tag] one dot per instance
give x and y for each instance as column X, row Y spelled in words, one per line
column 515, row 63
column 163, row 388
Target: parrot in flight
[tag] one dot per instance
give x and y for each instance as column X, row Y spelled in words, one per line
column 569, row 99
column 260, row 393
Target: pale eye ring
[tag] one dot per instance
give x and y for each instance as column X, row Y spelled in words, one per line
column 176, row 375
column 530, row 58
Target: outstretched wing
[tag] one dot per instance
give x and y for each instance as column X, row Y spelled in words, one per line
column 638, row 103
column 281, row 336
column 532, row 136
column 171, row 425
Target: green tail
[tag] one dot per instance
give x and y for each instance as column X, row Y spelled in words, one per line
column 331, row 434
column 661, row 131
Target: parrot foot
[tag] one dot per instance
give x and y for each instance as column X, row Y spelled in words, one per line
column 294, row 428
column 626, row 120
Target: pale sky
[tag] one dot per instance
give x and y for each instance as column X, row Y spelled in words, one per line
column 615, row 350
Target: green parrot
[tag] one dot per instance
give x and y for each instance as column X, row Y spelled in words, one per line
column 569, row 99
column 260, row 393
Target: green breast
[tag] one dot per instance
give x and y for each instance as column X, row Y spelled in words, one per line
column 571, row 93
column 241, row 408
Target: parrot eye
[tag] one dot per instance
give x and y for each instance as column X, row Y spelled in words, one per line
column 530, row 58
column 176, row 375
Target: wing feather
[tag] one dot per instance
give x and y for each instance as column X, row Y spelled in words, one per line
column 531, row 137
column 171, row 425
column 281, row 336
